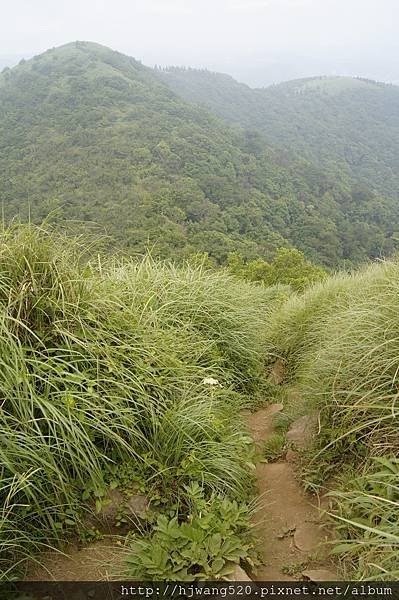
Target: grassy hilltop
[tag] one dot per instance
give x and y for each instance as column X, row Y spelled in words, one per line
column 92, row 135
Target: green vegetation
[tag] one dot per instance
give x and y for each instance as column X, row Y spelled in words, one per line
column 294, row 569
column 274, row 447
column 122, row 372
column 339, row 341
column 214, row 538
column 89, row 134
column 367, row 510
column 107, row 363
column 282, row 422
column 341, row 124
column 288, row 267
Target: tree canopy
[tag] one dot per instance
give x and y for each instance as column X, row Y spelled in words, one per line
column 91, row 135
column 342, row 124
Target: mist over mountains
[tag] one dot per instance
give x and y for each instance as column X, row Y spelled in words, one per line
column 341, row 123
column 91, row 134
column 262, row 71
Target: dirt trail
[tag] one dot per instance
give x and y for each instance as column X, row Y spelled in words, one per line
column 96, row 562
column 288, row 522
column 288, row 525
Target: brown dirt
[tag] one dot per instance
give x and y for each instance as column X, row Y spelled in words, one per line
column 288, row 521
column 97, row 562
column 288, row 525
column 261, row 422
column 277, row 372
column 303, row 429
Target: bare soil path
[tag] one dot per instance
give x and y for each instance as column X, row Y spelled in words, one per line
column 288, row 522
column 96, row 562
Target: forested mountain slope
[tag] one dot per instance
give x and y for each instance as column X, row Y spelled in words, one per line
column 96, row 136
column 340, row 123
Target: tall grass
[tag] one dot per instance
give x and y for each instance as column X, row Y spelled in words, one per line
column 106, row 363
column 367, row 524
column 341, row 344
column 349, row 366
column 294, row 330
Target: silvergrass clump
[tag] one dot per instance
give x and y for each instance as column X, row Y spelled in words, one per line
column 104, row 363
column 354, row 371
column 341, row 342
column 291, row 326
column 365, row 513
column 274, row 447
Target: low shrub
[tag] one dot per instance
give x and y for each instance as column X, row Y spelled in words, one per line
column 206, row 544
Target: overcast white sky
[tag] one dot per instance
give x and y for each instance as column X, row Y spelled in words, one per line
column 258, row 41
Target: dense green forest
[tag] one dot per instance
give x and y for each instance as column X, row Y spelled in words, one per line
column 89, row 134
column 342, row 124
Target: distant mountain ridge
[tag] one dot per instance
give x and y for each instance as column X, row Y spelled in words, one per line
column 94, row 135
column 340, row 123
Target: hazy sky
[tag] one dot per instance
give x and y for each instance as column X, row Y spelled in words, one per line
column 257, row 41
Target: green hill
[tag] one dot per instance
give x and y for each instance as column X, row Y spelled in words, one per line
column 340, row 123
column 93, row 135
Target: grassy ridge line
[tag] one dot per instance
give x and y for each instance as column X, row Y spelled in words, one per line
column 89, row 134
column 106, row 365
column 341, row 345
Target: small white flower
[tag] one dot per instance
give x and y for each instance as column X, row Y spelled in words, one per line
column 210, row 381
